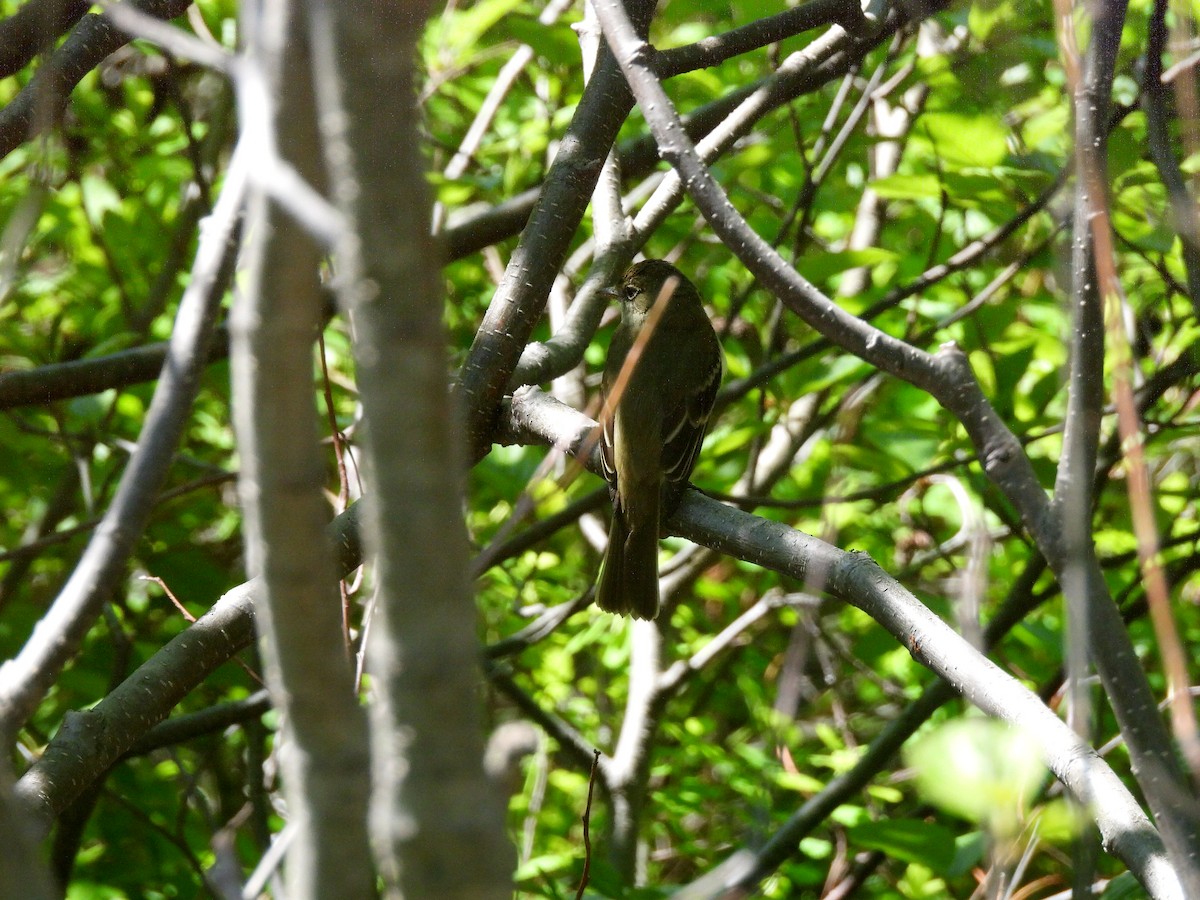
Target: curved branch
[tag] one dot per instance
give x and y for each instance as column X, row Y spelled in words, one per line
column 521, row 297
column 25, row 679
column 714, row 50
column 825, row 59
column 35, row 27
column 946, row 375
column 1154, row 102
column 74, row 760
column 39, row 105
column 79, row 377
column 92, row 740
column 855, row 578
column 1095, row 623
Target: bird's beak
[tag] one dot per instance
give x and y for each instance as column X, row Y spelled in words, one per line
column 609, row 293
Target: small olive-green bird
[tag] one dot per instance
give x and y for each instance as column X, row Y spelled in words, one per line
column 655, row 414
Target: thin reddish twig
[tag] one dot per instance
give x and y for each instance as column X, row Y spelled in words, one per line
column 587, row 837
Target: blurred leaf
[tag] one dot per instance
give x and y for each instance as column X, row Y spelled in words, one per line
column 980, row 769
column 99, row 197
column 1124, row 887
column 556, row 43
column 460, row 29
column 907, row 187
column 966, row 140
column 910, row 840
column 821, row 267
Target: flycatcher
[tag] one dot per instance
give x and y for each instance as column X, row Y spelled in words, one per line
column 660, row 381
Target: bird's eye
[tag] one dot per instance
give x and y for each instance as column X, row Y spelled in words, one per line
column 631, row 291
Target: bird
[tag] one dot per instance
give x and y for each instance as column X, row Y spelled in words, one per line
column 660, row 382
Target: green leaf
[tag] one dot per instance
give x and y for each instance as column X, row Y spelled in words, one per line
column 1124, row 887
column 799, row 782
column 546, row 864
column 819, row 269
column 907, row 187
column 969, row 851
column 98, row 197
column 92, row 408
column 555, row 43
column 983, row 17
column 87, row 890
column 980, row 769
column 908, row 839
column 978, row 191
column 962, row 140
column 464, row 28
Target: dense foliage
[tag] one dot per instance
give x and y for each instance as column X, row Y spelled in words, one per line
column 923, row 177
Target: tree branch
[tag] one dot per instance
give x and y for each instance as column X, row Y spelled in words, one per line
column 437, row 821
column 521, row 296
column 25, row 679
column 323, row 748
column 39, row 105
column 855, row 578
column 1094, row 622
column 34, row 28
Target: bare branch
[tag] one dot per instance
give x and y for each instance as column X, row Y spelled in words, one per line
column 437, row 821
column 35, row 27
column 25, row 679
column 1094, row 623
column 40, row 103
column 323, row 749
column 1154, row 102
column 855, row 578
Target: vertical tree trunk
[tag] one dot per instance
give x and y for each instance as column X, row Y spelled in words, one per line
column 437, row 822
column 323, row 749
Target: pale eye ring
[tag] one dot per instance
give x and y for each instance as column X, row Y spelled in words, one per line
column 631, row 291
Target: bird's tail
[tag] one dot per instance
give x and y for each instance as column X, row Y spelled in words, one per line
column 629, row 582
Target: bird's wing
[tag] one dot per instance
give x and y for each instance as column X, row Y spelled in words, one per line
column 608, row 441
column 683, row 429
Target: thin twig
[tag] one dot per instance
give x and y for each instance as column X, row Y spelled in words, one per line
column 587, row 837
